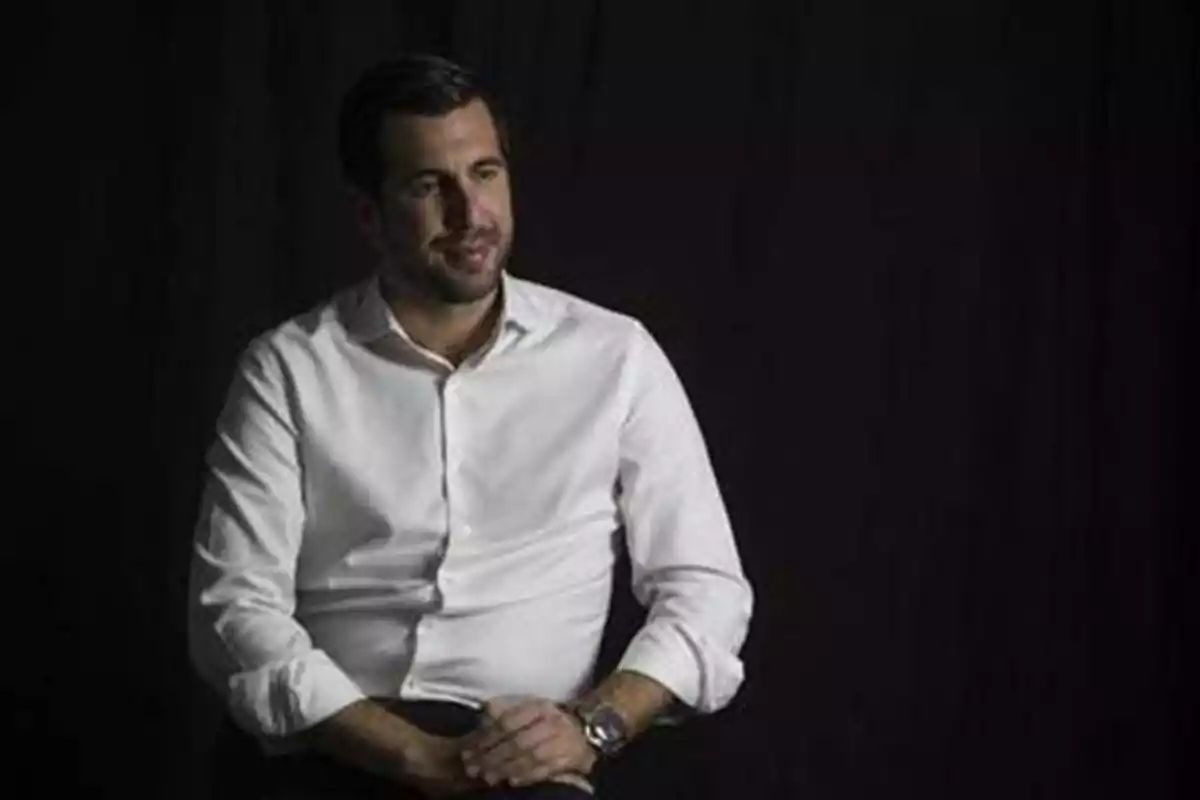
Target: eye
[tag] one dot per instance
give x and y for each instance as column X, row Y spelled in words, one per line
column 423, row 187
column 488, row 172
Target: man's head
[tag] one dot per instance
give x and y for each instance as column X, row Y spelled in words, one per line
column 425, row 154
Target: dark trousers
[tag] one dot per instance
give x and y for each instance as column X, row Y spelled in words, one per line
column 242, row 772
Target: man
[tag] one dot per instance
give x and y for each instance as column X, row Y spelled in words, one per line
column 404, row 558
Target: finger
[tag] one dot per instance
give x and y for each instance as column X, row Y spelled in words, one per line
column 542, row 739
column 494, row 735
column 531, row 772
column 515, row 771
column 501, row 774
column 515, row 718
column 564, row 750
column 509, row 723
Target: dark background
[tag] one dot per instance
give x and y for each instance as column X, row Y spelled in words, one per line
column 927, row 269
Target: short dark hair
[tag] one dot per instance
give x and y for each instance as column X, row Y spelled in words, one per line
column 413, row 83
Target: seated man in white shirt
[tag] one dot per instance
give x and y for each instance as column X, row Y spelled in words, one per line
column 404, row 559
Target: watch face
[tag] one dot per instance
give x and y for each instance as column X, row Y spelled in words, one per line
column 605, row 730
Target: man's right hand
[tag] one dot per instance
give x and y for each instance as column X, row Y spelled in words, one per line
column 435, row 767
column 368, row 736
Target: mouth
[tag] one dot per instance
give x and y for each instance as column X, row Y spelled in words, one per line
column 473, row 257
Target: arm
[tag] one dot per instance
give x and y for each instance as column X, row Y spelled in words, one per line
column 685, row 569
column 638, row 699
column 685, row 565
column 245, row 640
column 367, row 736
column 525, row 740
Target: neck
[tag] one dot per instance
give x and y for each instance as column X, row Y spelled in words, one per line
column 452, row 330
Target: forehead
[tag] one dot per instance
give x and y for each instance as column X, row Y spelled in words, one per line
column 459, row 137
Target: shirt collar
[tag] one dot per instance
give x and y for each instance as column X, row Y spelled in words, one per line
column 371, row 318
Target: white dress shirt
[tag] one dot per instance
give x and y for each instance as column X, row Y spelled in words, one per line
column 380, row 523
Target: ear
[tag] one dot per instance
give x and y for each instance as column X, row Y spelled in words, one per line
column 368, row 217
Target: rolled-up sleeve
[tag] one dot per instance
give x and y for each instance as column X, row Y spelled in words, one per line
column 686, row 568
column 244, row 639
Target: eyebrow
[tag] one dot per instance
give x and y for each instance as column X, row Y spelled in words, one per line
column 430, row 172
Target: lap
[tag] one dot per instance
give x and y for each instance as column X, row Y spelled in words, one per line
column 246, row 774
column 326, row 782
column 347, row 791
column 542, row 791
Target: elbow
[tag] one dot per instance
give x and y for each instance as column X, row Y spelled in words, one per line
column 722, row 674
column 203, row 644
column 717, row 650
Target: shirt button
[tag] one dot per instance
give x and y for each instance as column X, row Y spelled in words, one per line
column 466, row 530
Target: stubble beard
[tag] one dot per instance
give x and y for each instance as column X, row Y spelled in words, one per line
column 434, row 278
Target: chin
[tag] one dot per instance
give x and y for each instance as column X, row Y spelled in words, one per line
column 438, row 281
column 460, row 288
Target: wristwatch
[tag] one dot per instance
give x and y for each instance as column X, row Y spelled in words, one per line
column 603, row 728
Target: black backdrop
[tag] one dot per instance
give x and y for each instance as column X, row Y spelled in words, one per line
column 925, row 267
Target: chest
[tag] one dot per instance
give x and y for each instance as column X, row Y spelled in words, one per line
column 516, row 445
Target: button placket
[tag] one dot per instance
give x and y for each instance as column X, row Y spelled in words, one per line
column 453, row 459
column 453, row 423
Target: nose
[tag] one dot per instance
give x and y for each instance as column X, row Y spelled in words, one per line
column 464, row 208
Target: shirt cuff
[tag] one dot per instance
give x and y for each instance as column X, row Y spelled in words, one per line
column 285, row 698
column 702, row 675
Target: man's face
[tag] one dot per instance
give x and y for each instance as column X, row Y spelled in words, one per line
column 443, row 220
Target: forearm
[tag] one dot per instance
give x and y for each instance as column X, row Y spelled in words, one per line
column 249, row 647
column 525, row 740
column 368, row 737
column 637, row 698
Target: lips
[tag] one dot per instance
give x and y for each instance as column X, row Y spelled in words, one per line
column 471, row 257
column 480, row 242
column 471, row 252
column 476, row 249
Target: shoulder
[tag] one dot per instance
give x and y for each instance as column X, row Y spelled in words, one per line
column 573, row 314
column 311, row 335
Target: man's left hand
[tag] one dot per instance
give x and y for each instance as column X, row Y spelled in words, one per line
column 526, row 740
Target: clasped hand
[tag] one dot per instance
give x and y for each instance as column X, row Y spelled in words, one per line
column 525, row 740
